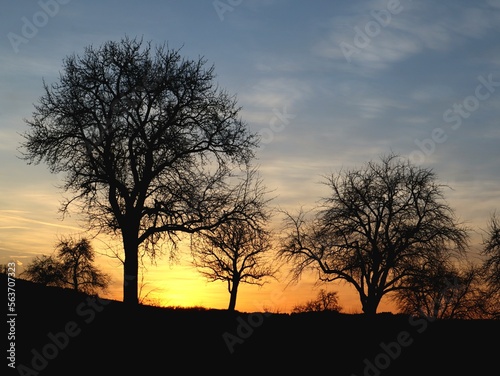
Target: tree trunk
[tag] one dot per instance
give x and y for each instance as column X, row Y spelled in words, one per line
column 130, row 268
column 370, row 304
column 232, row 299
column 75, row 277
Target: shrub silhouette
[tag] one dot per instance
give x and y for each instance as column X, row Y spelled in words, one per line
column 325, row 301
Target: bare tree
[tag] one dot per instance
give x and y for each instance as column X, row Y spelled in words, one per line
column 491, row 268
column 491, row 251
column 380, row 223
column 442, row 288
column 238, row 251
column 46, row 270
column 325, row 301
column 77, row 259
column 71, row 266
column 145, row 141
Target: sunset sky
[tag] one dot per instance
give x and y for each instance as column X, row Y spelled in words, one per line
column 328, row 84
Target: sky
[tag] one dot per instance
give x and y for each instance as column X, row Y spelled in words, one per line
column 327, row 84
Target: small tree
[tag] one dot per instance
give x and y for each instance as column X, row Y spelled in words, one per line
column 441, row 289
column 491, row 268
column 77, row 258
column 491, row 251
column 46, row 270
column 71, row 266
column 238, row 251
column 379, row 224
column 325, row 301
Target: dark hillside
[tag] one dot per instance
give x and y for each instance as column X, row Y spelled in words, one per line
column 59, row 332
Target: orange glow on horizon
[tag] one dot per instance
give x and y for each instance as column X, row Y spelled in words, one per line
column 180, row 285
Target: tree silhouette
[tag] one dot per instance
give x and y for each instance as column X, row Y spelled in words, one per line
column 145, row 141
column 71, row 266
column 325, row 301
column 491, row 268
column 238, row 251
column 77, row 260
column 442, row 288
column 492, row 252
column 380, row 223
column 46, row 270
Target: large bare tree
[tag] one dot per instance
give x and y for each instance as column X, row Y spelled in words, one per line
column 145, row 141
column 238, row 251
column 379, row 225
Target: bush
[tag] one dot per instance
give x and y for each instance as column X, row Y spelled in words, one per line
column 325, row 301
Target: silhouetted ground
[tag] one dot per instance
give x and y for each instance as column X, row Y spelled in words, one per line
column 59, row 332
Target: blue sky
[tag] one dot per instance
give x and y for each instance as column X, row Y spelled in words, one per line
column 328, row 84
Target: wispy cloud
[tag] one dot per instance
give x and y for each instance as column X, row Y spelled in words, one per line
column 372, row 38
column 11, row 219
column 275, row 92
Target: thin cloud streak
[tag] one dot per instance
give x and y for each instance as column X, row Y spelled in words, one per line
column 37, row 222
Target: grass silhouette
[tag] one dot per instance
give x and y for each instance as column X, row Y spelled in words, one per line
column 61, row 332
